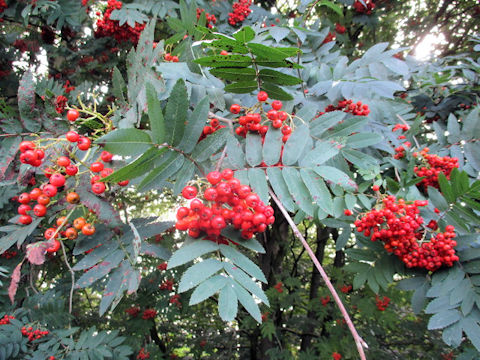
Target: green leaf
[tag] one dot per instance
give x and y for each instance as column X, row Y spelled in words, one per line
column 242, row 87
column 183, row 176
column 258, row 182
column 247, row 301
column 272, row 146
column 280, row 188
column 319, row 191
column 251, row 244
column 325, row 122
column 111, row 290
column 276, row 77
column 207, row 289
column 446, row 188
column 235, row 154
column 235, row 74
column 443, row 319
column 18, row 236
column 228, row 44
column 323, row 151
column 332, row 6
column 243, row 262
column 126, row 142
column 26, row 102
column 209, row 146
column 227, row 303
column 225, row 61
column 244, row 35
column 348, row 126
column 198, row 273
column 295, row 145
column 276, row 92
column 298, row 190
column 277, row 63
column 170, row 164
column 155, row 115
column 100, row 206
column 361, row 140
column 246, row 281
column 269, row 52
column 191, row 251
column 337, row 177
column 194, row 125
column 437, row 199
column 101, row 269
column 118, row 85
column 140, row 166
column 253, row 149
column 176, row 113
column 472, row 330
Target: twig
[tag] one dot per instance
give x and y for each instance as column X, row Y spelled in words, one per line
column 360, row 343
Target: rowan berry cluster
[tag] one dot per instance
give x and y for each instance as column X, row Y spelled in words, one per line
column 241, row 9
column 211, row 19
column 142, row 355
column 365, row 8
column 339, row 28
column 9, row 254
column 30, row 154
column 252, row 120
column 400, row 227
column 168, row 57
column 133, row 311
column 175, row 299
column 348, row 106
column 6, row 319
column 346, row 289
column 225, row 201
column 167, row 285
column 382, row 304
column 432, row 166
column 330, row 37
column 279, row 287
column 60, row 103
column 163, row 266
column 34, row 334
column 336, row 356
column 3, row 6
column 403, row 127
column 149, row 314
column 325, row 300
column 213, row 126
column 107, row 27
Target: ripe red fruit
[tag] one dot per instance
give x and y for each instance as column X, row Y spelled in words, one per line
column 73, row 198
column 39, row 210
column 210, row 194
column 182, row 212
column 235, row 109
column 22, row 209
column 88, row 229
column 63, row 161
column 35, row 193
column 71, row 170
column 272, row 115
column 105, row 172
column 26, row 145
column 71, row 233
column 277, row 105
column 375, row 187
column 40, row 154
column 57, row 180
column 24, row 198
column 98, row 187
column 347, row 212
column 96, row 167
column 83, row 143
column 286, row 130
column 50, row 233
column 50, row 190
column 54, row 247
column 25, row 219
column 227, row 174
column 106, row 156
column 72, row 136
column 123, row 183
column 189, row 192
column 262, row 96
column 214, row 177
column 72, row 115
column 277, row 124
column 43, row 199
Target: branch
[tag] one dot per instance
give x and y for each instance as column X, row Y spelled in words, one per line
column 359, row 342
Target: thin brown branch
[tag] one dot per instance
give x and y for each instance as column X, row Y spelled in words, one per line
column 359, row 342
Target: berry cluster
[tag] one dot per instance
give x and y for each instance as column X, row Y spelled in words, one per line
column 6, row 319
column 175, row 299
column 3, row 6
column 167, row 285
column 163, row 266
column 241, row 9
column 336, row 356
column 279, row 287
column 29, row 154
column 366, row 8
column 348, row 106
column 107, row 27
column 252, row 121
column 142, row 355
column 403, row 127
column 330, row 37
column 325, row 300
column 133, row 311
column 60, row 103
column 339, row 28
column 213, row 126
column 168, row 57
column 346, row 289
column 211, row 19
column 149, row 314
column 34, row 334
column 399, row 226
column 227, row 201
column 382, row 304
column 9, row 254
column 433, row 165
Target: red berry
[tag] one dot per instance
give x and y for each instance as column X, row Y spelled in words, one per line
column 106, row 156
column 123, row 183
column 50, row 190
column 106, row 172
column 227, row 174
column 96, row 167
column 35, row 193
column 214, row 177
column 262, row 96
column 25, row 219
column 72, row 115
column 39, row 210
column 72, row 136
column 98, row 187
column 57, row 180
column 26, row 145
column 235, row 109
column 24, row 198
column 277, row 124
column 210, row 194
column 71, row 170
column 22, row 209
column 276, row 105
column 54, row 247
column 63, row 161
column 375, row 187
column 189, row 192
column 286, row 130
column 347, row 212
column 83, row 143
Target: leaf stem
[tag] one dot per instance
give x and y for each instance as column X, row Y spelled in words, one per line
column 360, row 343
